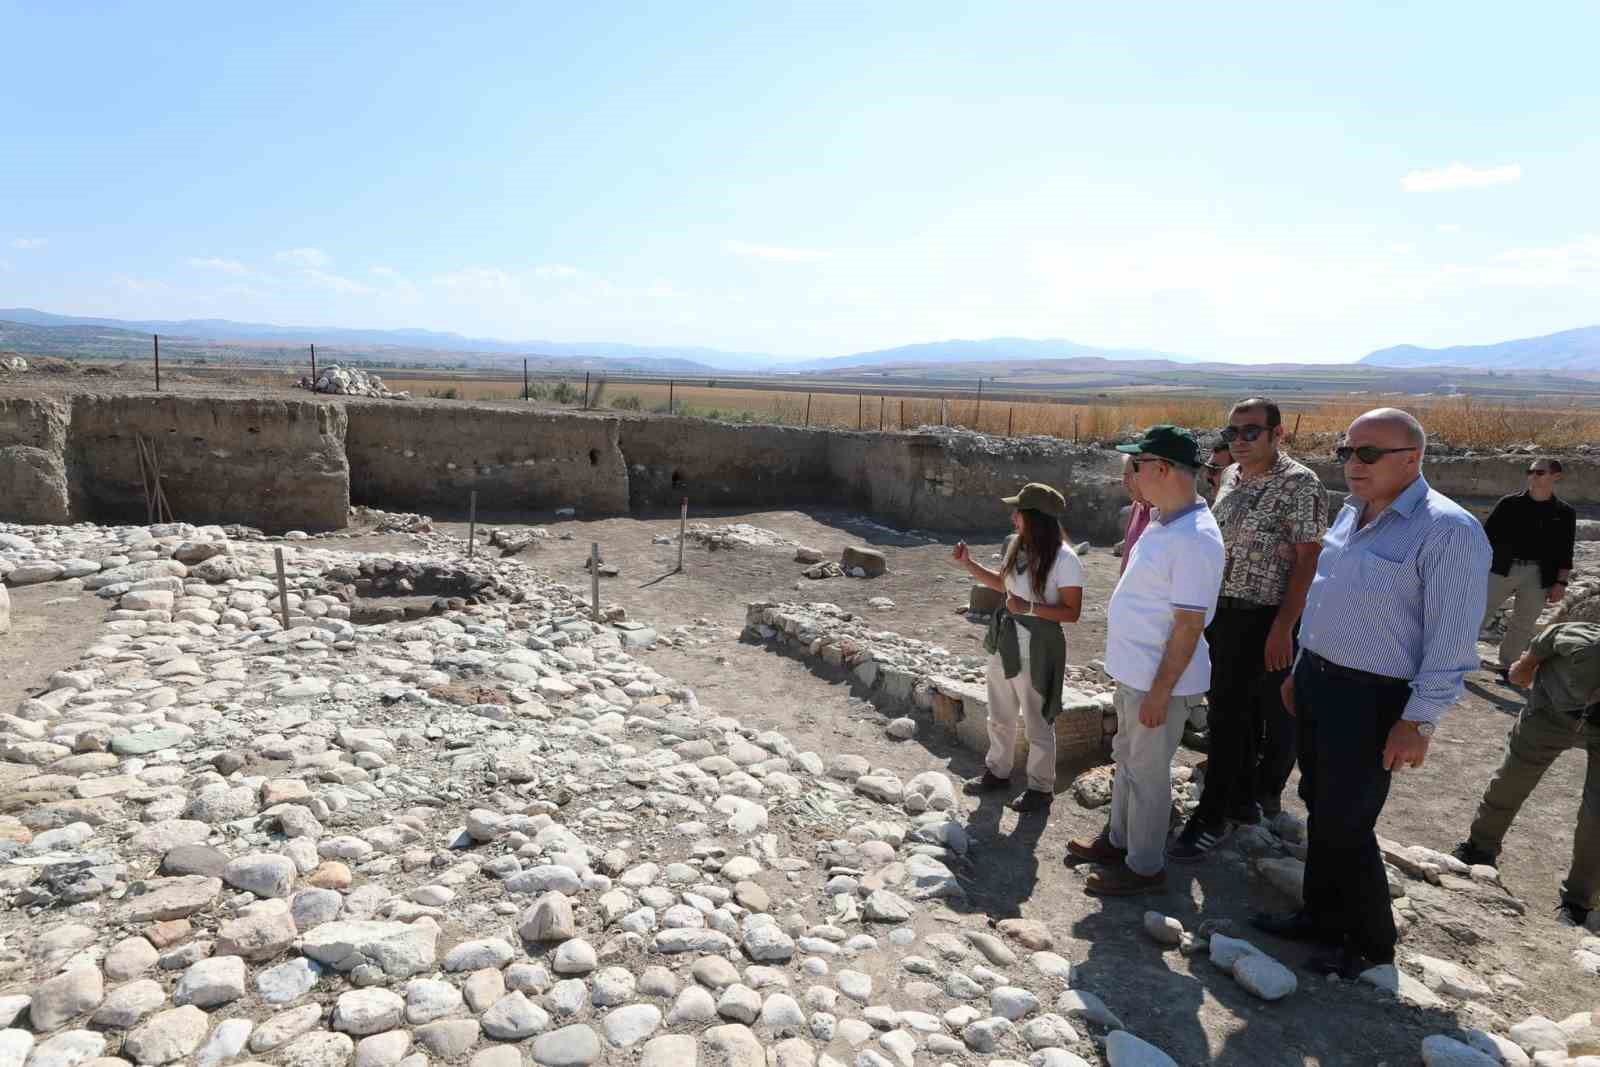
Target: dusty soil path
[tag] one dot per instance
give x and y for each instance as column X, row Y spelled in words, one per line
column 1186, row 1006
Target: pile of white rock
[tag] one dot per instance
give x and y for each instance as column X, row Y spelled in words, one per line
column 13, row 364
column 491, row 838
column 881, row 658
column 734, row 535
column 351, row 382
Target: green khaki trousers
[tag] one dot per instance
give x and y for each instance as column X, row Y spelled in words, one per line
column 1539, row 736
column 1520, row 586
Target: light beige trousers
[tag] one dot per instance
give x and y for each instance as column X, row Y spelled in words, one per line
column 1011, row 699
column 1522, row 582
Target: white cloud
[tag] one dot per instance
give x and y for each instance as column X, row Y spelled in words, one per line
column 1460, row 176
column 222, row 266
column 336, row 283
column 1448, row 227
column 29, row 243
column 385, row 272
column 480, row 280
column 5, row 265
column 557, row 270
column 303, row 257
column 1575, row 263
column 775, row 253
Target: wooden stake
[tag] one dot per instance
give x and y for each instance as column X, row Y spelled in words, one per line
column 594, row 577
column 859, row 401
column 808, row 409
column 1011, row 414
column 1074, row 429
column 586, row 390
column 882, row 401
column 1296, row 435
column 683, row 522
column 283, row 588
column 902, row 413
column 144, row 483
column 313, row 367
column 155, row 341
column 472, row 523
column 977, row 414
column 670, row 385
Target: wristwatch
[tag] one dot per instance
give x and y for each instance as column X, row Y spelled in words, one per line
column 1424, row 729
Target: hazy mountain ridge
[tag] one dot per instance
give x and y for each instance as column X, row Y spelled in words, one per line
column 991, row 350
column 1574, row 350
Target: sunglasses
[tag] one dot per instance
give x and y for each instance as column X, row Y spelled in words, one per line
column 1368, row 454
column 1230, row 434
column 1540, row 470
column 1136, row 462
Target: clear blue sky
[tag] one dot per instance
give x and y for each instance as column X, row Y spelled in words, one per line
column 1243, row 181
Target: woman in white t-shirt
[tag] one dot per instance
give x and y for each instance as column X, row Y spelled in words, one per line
column 1043, row 583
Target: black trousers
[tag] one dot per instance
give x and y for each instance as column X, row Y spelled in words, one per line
column 1251, row 746
column 1344, row 724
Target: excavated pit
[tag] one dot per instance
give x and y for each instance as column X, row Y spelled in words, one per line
column 385, row 590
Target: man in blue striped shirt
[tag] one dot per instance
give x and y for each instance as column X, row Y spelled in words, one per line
column 1389, row 633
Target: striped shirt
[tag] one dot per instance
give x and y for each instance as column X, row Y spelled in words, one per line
column 1402, row 596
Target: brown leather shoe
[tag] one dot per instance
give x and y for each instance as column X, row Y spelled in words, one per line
column 1098, row 849
column 1121, row 881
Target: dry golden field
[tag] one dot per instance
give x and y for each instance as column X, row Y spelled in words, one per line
column 1460, row 421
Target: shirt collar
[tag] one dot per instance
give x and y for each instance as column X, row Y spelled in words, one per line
column 1167, row 520
column 1407, row 501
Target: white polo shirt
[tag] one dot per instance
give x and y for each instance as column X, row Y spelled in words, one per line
column 1176, row 563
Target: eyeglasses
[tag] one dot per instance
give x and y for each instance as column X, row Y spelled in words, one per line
column 1137, row 462
column 1368, row 454
column 1231, row 434
column 1536, row 471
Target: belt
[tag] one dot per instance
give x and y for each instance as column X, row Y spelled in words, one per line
column 1531, row 562
column 1239, row 603
column 1327, row 666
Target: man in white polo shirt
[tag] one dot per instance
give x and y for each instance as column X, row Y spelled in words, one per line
column 1156, row 650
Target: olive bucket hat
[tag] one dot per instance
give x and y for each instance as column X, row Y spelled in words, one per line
column 1039, row 497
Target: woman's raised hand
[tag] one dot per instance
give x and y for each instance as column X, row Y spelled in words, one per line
column 962, row 554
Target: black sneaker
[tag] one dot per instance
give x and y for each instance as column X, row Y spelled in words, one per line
column 1570, row 914
column 1472, row 855
column 1196, row 842
column 988, row 782
column 1032, row 800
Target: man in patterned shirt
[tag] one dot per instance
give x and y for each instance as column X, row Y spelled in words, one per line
column 1273, row 512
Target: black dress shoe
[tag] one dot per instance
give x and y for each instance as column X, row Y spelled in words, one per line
column 1293, row 926
column 1343, row 961
column 987, row 783
column 1032, row 800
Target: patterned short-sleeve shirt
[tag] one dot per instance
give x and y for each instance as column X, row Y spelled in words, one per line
column 1262, row 519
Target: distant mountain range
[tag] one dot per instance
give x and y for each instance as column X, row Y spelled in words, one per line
column 30, row 331
column 1570, row 350
column 993, row 350
column 581, row 353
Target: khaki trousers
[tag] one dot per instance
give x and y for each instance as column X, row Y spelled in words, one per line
column 1141, row 788
column 1009, row 700
column 1540, row 735
column 1521, row 582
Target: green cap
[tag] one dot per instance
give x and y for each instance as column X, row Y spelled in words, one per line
column 1167, row 442
column 1039, row 497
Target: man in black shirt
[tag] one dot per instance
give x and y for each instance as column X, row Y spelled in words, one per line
column 1531, row 533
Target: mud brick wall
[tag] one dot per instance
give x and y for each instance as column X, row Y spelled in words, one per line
column 430, row 457
column 277, row 464
column 33, row 472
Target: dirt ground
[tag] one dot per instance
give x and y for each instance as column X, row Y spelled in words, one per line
column 1187, row 1007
